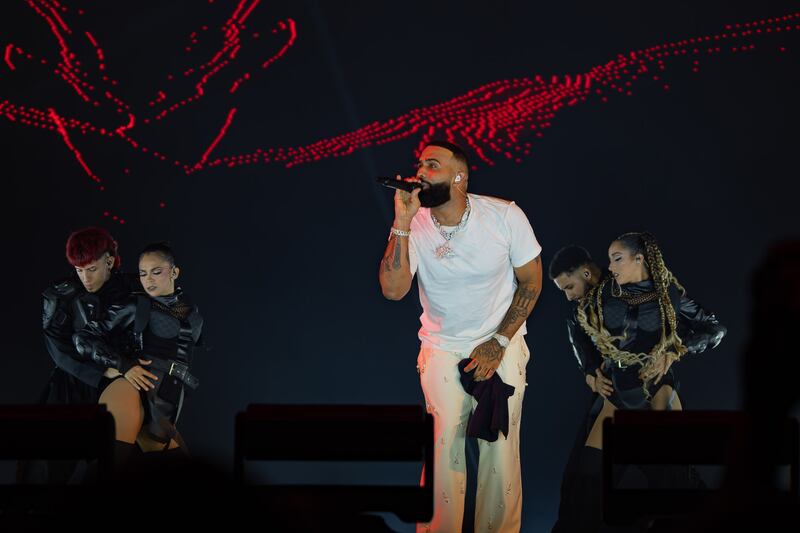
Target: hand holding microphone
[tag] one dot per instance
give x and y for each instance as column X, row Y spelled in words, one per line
column 406, row 199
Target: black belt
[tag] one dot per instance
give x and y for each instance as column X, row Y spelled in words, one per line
column 176, row 369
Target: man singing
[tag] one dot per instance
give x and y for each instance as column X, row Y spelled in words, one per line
column 479, row 271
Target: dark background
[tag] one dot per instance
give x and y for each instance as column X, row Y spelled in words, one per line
column 283, row 262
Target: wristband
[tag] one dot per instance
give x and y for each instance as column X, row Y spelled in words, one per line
column 502, row 340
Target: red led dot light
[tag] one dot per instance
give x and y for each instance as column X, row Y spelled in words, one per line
column 498, row 120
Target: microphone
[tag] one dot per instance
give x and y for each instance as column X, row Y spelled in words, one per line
column 399, row 184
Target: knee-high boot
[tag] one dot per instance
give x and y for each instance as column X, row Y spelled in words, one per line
column 125, row 458
column 581, row 509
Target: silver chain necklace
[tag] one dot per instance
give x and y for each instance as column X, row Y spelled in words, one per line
column 445, row 251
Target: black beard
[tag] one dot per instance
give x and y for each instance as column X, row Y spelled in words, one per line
column 435, row 195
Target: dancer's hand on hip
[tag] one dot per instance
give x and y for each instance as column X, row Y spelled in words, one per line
column 600, row 383
column 486, row 357
column 138, row 376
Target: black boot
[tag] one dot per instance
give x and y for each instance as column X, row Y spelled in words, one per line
column 566, row 507
column 581, row 508
column 165, row 464
column 125, row 459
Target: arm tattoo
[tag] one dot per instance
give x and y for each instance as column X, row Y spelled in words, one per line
column 398, row 249
column 524, row 297
column 394, row 253
column 521, row 306
column 387, row 263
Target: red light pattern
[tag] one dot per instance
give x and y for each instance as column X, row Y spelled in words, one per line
column 60, row 126
column 116, row 218
column 497, row 120
column 98, row 89
column 218, row 138
column 7, row 56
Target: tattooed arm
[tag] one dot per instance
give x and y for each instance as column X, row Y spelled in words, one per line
column 395, row 274
column 486, row 357
column 529, row 279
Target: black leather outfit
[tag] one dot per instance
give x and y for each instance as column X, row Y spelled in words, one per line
column 66, row 309
column 641, row 326
column 163, row 329
column 580, row 509
column 586, row 354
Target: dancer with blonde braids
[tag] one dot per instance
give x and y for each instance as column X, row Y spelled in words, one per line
column 641, row 322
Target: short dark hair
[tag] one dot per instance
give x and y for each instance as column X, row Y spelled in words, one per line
column 162, row 248
column 569, row 259
column 458, row 153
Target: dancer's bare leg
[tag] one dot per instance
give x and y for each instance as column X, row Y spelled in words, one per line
column 125, row 405
column 666, row 399
column 595, row 439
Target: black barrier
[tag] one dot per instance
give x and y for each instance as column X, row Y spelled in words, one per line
column 339, row 433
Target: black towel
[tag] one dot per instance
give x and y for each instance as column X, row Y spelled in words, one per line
column 491, row 414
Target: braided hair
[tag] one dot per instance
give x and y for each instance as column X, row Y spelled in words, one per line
column 590, row 311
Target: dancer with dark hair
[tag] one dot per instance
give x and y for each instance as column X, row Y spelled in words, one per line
column 640, row 322
column 164, row 327
column 68, row 305
column 575, row 274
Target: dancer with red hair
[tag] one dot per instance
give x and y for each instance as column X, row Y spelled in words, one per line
column 68, row 304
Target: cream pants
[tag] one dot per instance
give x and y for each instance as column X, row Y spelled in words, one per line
column 499, row 492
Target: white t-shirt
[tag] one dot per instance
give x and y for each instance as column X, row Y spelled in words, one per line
column 464, row 298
